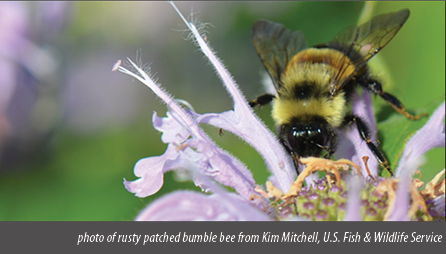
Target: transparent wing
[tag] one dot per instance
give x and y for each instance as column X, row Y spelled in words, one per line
column 360, row 43
column 276, row 45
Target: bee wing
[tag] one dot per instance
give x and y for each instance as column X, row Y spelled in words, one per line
column 360, row 43
column 276, row 45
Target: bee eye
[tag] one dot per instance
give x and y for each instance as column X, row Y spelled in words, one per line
column 295, row 137
column 321, row 136
column 301, row 137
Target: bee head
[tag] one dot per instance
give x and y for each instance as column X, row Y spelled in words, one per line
column 305, row 139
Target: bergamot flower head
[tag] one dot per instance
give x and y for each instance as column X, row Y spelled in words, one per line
column 347, row 191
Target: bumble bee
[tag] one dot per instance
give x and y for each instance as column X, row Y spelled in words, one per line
column 314, row 85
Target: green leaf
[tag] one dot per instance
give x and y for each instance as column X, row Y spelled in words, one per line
column 394, row 133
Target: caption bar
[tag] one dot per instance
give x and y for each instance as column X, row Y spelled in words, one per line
column 288, row 237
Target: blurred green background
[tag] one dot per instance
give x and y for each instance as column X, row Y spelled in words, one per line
column 100, row 124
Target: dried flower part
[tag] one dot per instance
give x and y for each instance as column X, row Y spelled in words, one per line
column 313, row 164
column 366, row 159
column 389, row 186
column 434, row 196
column 319, row 164
column 435, row 188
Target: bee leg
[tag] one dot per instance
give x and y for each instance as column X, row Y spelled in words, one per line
column 296, row 160
column 333, row 143
column 262, row 100
column 365, row 135
column 375, row 87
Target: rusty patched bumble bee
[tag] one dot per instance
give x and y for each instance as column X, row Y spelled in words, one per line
column 315, row 84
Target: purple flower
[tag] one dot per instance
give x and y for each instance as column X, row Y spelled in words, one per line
column 28, row 74
column 13, row 21
column 351, row 144
column 188, row 205
column 209, row 166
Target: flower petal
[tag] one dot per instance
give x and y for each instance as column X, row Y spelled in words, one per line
column 439, row 204
column 151, row 170
column 353, row 212
column 245, row 123
column 267, row 145
column 357, row 148
column 431, row 135
column 173, row 131
column 226, row 169
column 402, row 199
column 205, row 155
column 193, row 206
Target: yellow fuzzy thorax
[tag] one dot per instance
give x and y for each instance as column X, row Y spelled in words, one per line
column 287, row 106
